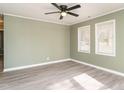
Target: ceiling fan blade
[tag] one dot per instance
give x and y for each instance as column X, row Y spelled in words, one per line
column 73, row 14
column 54, row 4
column 52, row 12
column 74, row 7
column 61, row 17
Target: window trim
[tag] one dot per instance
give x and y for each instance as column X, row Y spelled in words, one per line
column 114, row 41
column 83, row 51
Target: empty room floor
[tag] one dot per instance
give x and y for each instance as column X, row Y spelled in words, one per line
column 60, row 76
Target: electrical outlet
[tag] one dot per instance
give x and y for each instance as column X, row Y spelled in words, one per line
column 47, row 58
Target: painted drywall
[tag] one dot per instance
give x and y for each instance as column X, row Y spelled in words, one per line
column 114, row 63
column 29, row 42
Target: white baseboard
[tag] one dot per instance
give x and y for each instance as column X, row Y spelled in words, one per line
column 64, row 60
column 98, row 67
column 35, row 65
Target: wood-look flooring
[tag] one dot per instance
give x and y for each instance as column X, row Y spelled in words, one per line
column 66, row 75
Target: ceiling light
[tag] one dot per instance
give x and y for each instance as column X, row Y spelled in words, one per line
column 63, row 13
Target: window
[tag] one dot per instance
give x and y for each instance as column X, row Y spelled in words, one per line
column 105, row 38
column 84, row 39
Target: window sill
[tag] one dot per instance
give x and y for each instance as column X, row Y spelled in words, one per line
column 103, row 54
column 84, row 51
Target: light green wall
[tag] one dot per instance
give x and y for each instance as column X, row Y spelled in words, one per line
column 29, row 42
column 115, row 63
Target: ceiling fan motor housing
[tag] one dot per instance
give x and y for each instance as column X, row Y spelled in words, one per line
column 63, row 8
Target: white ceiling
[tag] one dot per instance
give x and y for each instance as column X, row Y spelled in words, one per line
column 37, row 10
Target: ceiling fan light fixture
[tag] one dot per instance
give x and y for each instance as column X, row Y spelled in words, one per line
column 63, row 13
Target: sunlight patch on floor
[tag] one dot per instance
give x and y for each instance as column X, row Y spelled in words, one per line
column 88, row 82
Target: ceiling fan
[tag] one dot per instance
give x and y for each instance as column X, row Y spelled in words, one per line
column 64, row 10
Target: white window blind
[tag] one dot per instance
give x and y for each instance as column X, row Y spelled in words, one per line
column 105, row 38
column 84, row 39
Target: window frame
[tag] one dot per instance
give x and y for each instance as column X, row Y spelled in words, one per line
column 114, row 38
column 83, row 51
